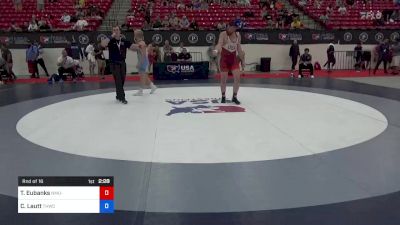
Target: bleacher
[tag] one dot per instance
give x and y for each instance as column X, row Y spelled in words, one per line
column 206, row 19
column 56, row 10
column 352, row 20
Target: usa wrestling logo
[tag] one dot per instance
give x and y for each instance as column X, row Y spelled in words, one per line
column 201, row 105
column 180, row 68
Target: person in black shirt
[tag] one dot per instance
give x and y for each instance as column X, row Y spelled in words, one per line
column 383, row 55
column 184, row 56
column 101, row 60
column 358, row 56
column 330, row 52
column 117, row 47
column 294, row 54
column 305, row 63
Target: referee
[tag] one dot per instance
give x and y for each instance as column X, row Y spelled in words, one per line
column 117, row 47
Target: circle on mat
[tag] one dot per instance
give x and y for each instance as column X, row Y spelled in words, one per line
column 190, row 125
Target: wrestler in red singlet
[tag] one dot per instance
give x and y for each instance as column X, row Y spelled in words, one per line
column 230, row 49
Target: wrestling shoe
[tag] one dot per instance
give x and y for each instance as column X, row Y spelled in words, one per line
column 153, row 88
column 235, row 100
column 223, row 100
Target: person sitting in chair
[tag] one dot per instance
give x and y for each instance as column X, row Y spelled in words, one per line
column 305, row 63
column 66, row 65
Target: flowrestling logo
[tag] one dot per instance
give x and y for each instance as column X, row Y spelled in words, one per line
column 201, row 105
column 180, row 68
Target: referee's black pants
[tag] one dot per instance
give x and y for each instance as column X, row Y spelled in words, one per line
column 118, row 69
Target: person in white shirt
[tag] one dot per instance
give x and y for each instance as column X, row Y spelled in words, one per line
column 66, row 18
column 184, row 23
column 65, row 65
column 33, row 26
column 80, row 24
column 91, row 58
column 342, row 10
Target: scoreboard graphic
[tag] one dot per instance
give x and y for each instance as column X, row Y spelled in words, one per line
column 65, row 194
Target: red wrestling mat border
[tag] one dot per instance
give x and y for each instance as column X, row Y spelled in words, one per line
column 246, row 75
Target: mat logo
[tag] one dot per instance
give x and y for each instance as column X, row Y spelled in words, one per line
column 201, row 105
column 180, row 68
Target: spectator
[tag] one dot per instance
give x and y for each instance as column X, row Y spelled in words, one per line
column 40, row 5
column 383, row 55
column 157, row 54
column 370, row 15
column 81, row 3
column 18, row 5
column 174, row 21
column 196, row 4
column 81, row 24
column 294, row 54
column 302, row 3
column 33, row 26
column 79, row 13
column 324, row 18
column 204, row 5
column 288, row 19
column 278, row 5
column 65, row 18
column 184, row 56
column 181, row 6
column 165, row 22
column 14, row 27
column 184, row 23
column 168, row 50
column 7, row 57
column 306, row 63
column 330, row 53
column 221, row 26
column 329, row 9
column 296, row 24
column 379, row 19
column 91, row 57
column 342, row 10
column 31, row 56
column 157, row 23
column 244, row 3
column 101, row 60
column 358, row 56
column 239, row 22
column 263, row 4
column 44, row 24
column 386, row 13
column 265, row 14
column 194, row 25
column 65, row 65
column 317, row 4
column 40, row 60
column 396, row 15
column 181, row 47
